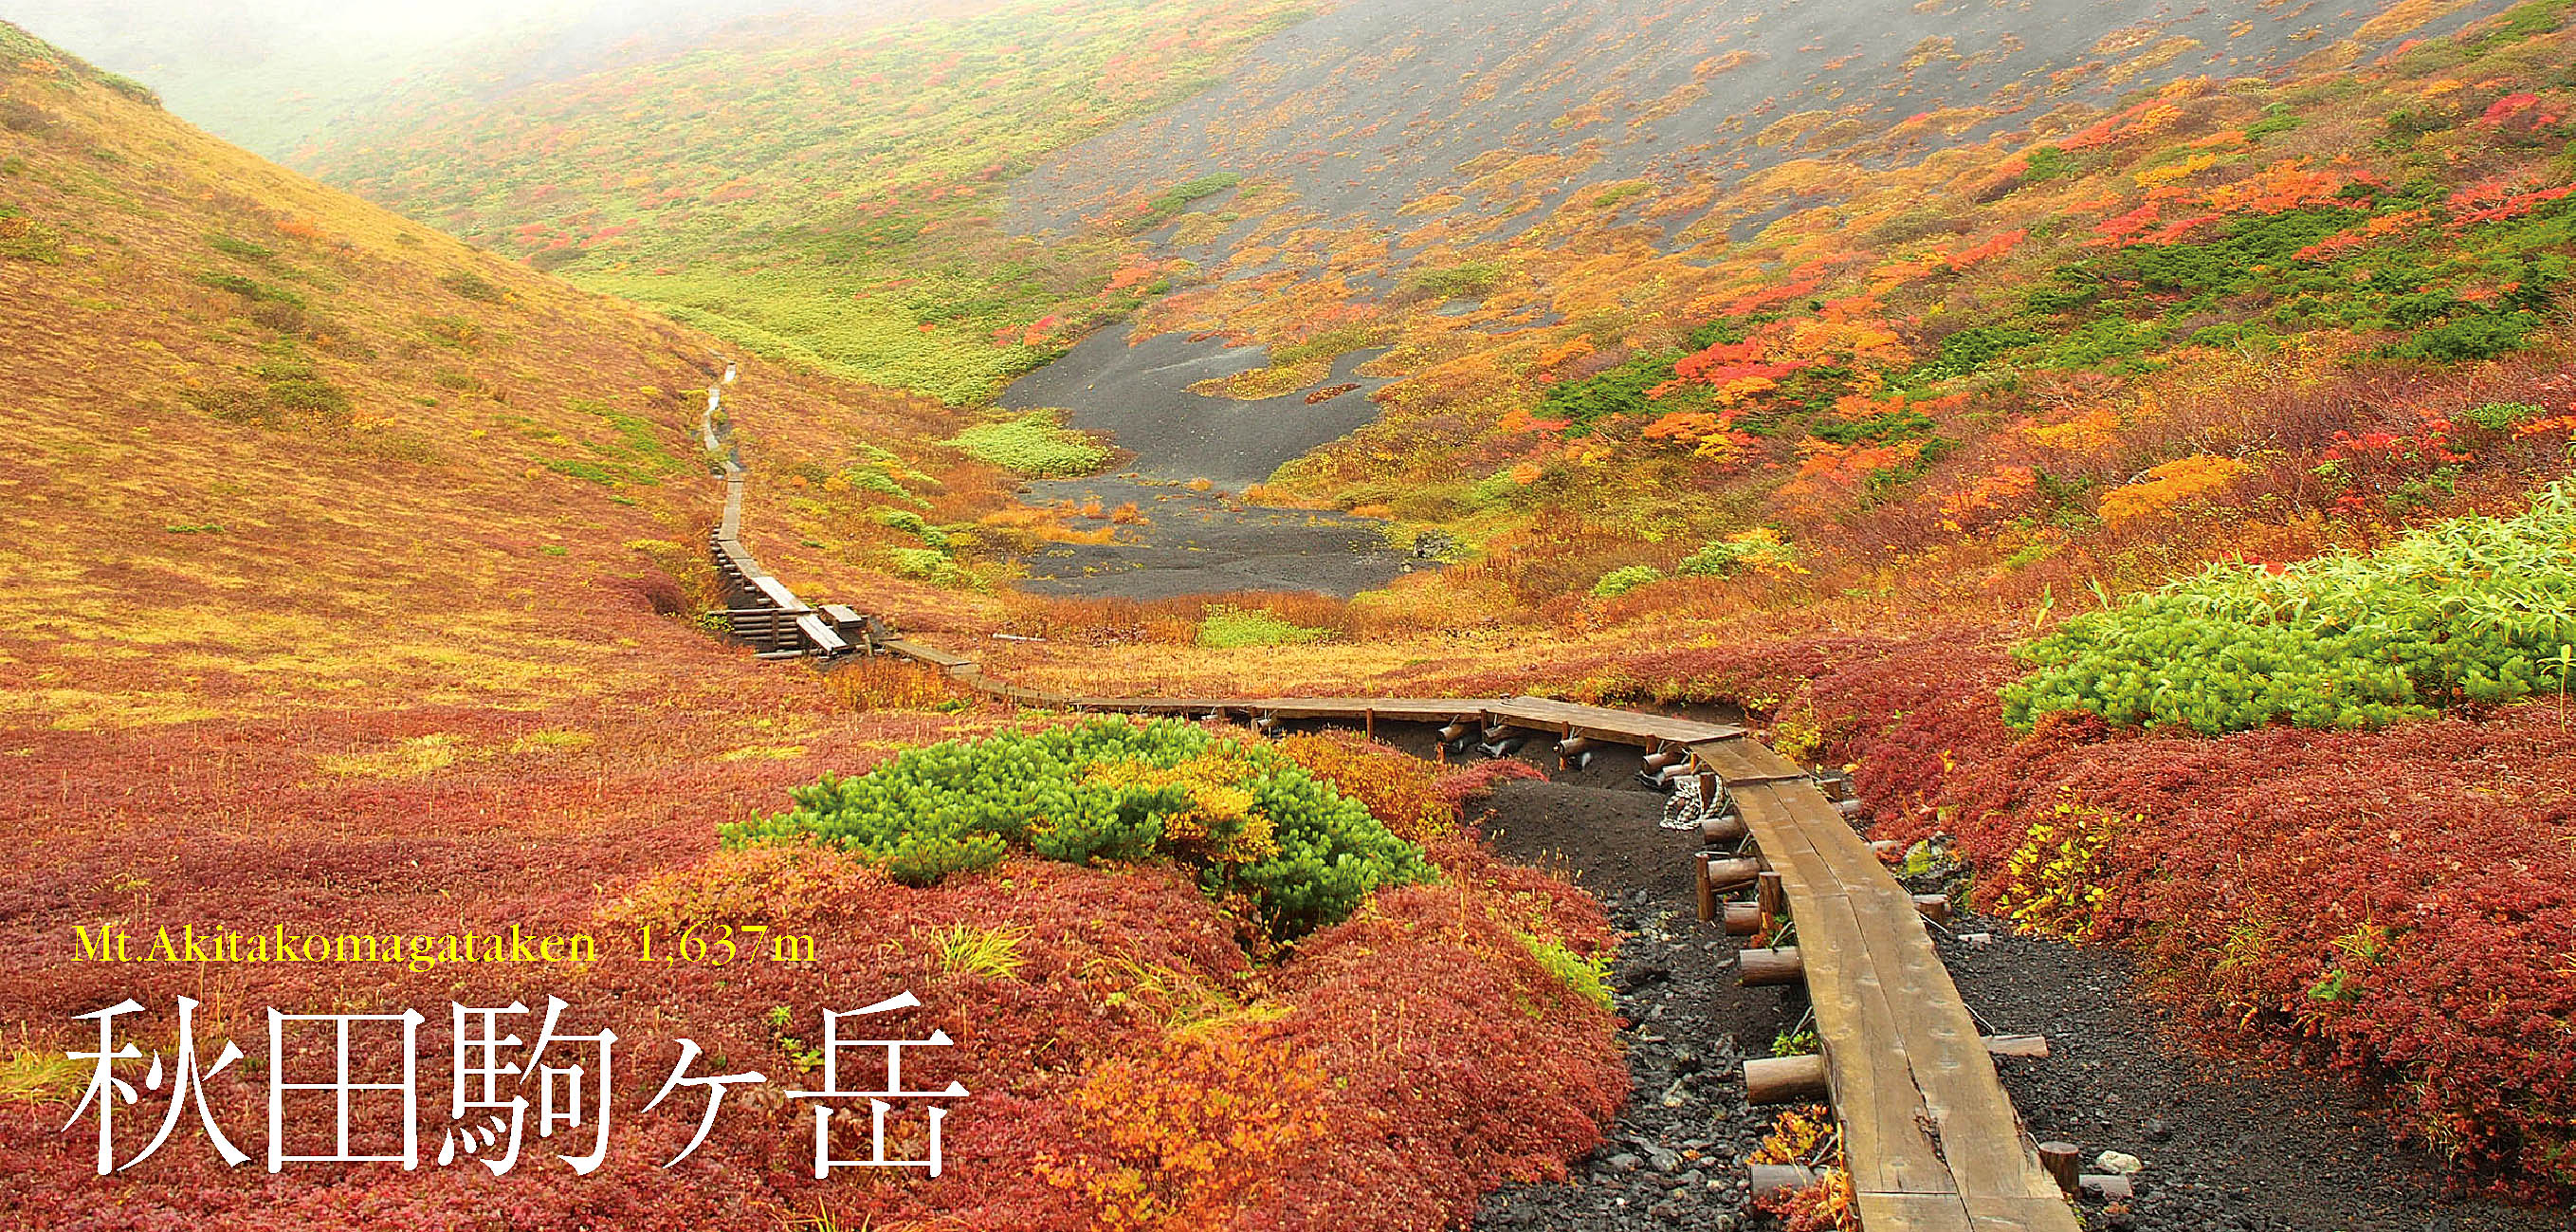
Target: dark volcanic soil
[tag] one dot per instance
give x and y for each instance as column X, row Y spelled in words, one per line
column 1378, row 102
column 1207, row 543
column 2228, row 1145
column 1140, row 395
column 1200, row 542
column 1671, row 1161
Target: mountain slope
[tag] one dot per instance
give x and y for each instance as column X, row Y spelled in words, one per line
column 351, row 579
column 1910, row 355
column 837, row 196
column 282, row 448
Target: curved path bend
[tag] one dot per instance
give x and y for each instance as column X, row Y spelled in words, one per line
column 1930, row 1138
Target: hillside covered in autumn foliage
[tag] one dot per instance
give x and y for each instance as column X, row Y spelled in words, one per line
column 357, row 585
column 2136, row 444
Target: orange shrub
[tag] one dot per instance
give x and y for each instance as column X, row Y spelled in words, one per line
column 2169, row 485
column 1400, row 790
column 882, row 683
column 1191, row 1134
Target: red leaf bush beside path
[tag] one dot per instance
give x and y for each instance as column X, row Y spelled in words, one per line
column 2398, row 905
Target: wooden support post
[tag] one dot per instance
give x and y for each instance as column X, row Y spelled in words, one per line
column 1743, row 919
column 1773, row 897
column 1707, row 892
column 2033, row 1046
column 1727, row 829
column 1785, row 1080
column 1768, row 1179
column 2059, row 1158
column 1766, row 968
column 1721, row 875
column 1935, row 907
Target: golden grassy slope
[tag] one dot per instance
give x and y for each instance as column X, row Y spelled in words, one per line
column 272, row 447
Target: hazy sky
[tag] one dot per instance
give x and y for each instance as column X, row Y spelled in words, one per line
column 134, row 23
column 271, row 74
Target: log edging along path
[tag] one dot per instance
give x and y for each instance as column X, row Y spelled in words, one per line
column 1930, row 1138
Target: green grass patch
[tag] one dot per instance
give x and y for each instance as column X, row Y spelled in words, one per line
column 1250, row 825
column 1589, row 978
column 1033, row 444
column 1620, row 581
column 1227, row 628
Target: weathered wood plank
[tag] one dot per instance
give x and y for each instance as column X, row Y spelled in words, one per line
column 1947, row 1055
column 1745, row 762
column 2040, row 1214
column 1787, row 845
column 1903, row 1212
column 1882, row 1114
column 820, row 637
column 1560, row 715
column 925, row 654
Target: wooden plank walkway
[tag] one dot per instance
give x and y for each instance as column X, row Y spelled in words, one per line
column 1930, row 1138
column 1929, row 1135
column 768, row 616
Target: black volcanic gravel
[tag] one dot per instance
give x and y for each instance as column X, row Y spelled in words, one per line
column 2229, row 1145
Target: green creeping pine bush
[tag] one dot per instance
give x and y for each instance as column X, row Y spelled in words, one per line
column 1472, row 279
column 2502, row 416
column 1032, row 445
column 1620, row 581
column 1607, row 394
column 2475, row 609
column 1178, row 197
column 1724, row 556
column 962, row 805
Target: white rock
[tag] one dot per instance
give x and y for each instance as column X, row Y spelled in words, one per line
column 2117, row 1162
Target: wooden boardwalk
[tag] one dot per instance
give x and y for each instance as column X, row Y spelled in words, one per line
column 759, row 609
column 1930, row 1138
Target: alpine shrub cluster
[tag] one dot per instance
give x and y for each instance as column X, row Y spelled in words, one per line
column 2472, row 610
column 1259, row 831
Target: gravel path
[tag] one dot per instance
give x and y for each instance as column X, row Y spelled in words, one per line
column 1672, row 1161
column 2228, row 1145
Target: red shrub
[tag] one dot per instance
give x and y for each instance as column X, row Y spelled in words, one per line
column 2398, row 905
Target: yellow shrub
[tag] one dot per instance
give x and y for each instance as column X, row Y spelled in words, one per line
column 2051, row 884
column 2169, row 485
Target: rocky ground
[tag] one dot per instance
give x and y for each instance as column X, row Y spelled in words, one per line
column 1198, row 543
column 2223, row 1144
column 1673, row 1158
column 2228, row 1145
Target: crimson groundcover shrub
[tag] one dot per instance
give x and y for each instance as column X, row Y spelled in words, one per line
column 1132, row 1066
